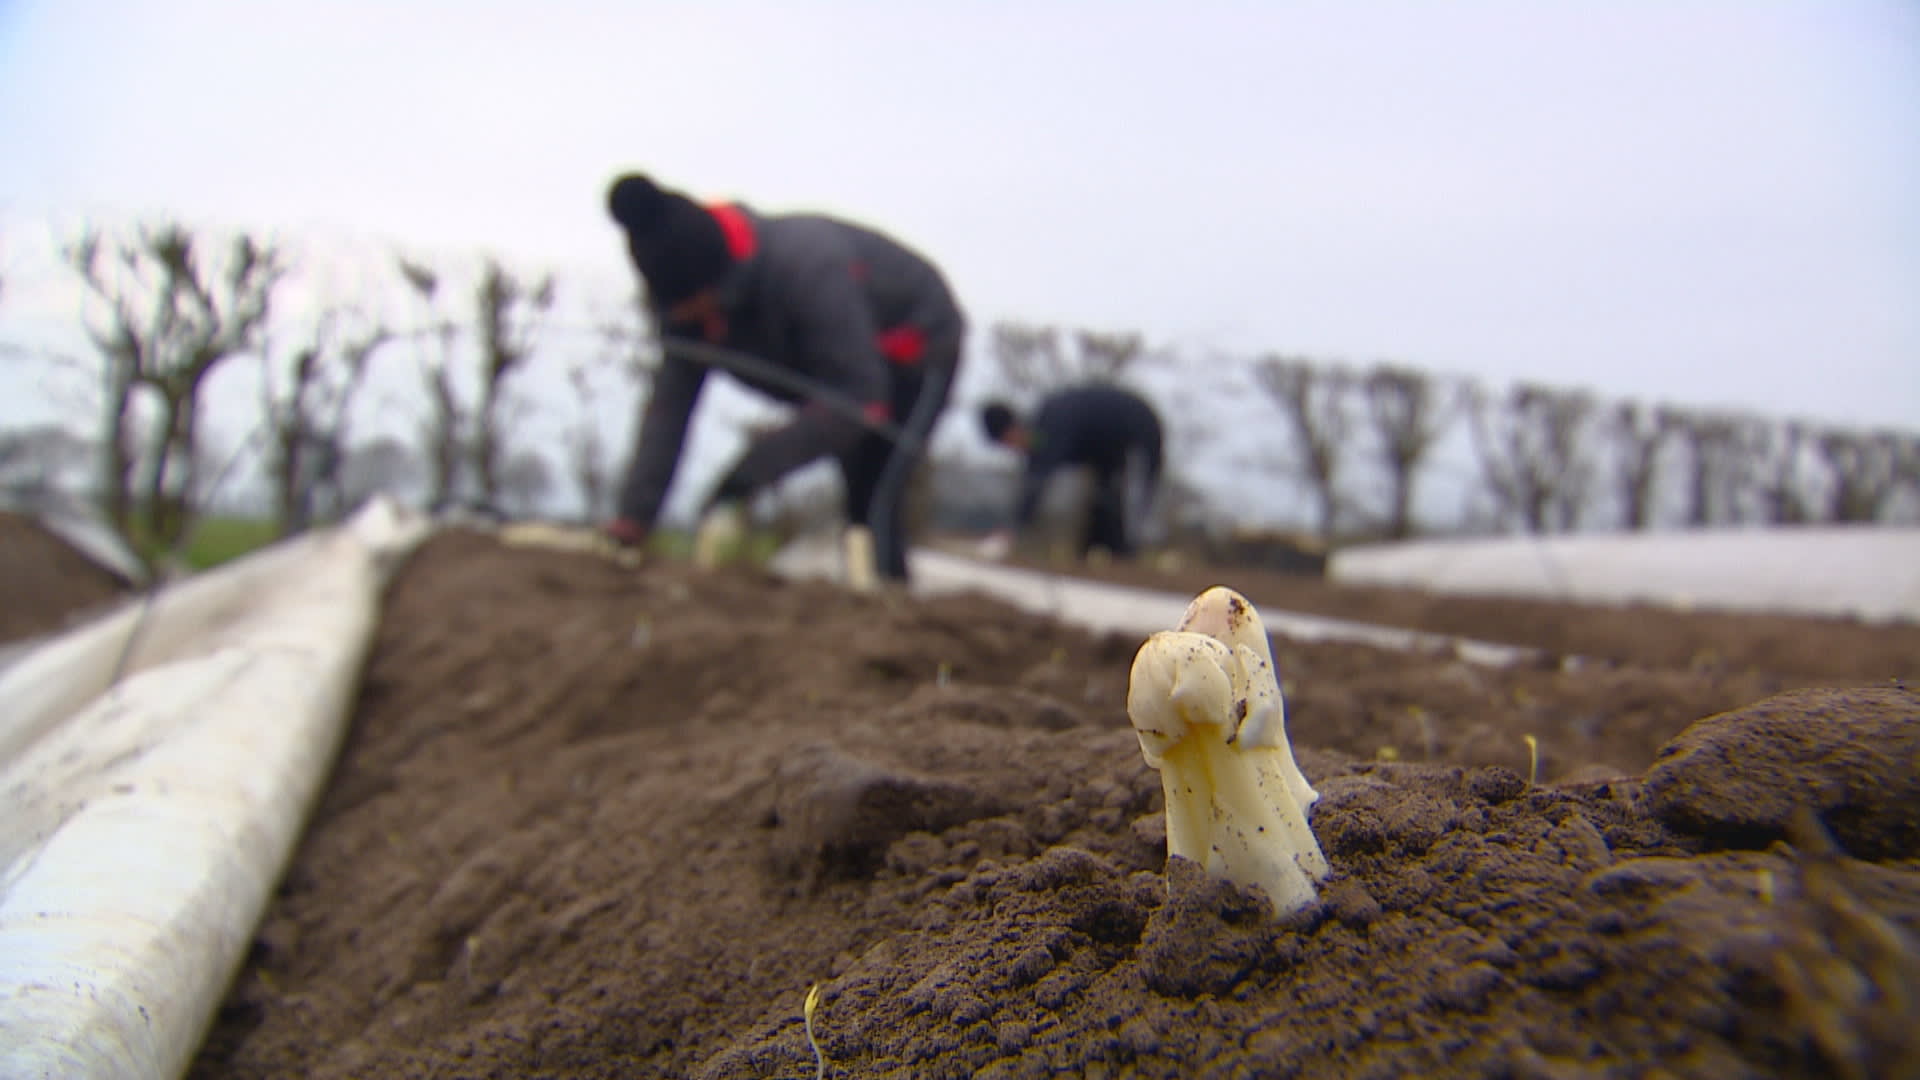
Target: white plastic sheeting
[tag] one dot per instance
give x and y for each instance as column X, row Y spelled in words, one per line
column 1872, row 572
column 146, row 820
column 1116, row 608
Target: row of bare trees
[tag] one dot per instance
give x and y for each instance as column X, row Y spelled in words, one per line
column 1563, row 460
column 1552, row 459
column 168, row 309
column 466, row 444
column 1358, row 443
column 170, row 317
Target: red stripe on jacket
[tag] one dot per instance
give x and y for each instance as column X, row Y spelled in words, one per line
column 741, row 241
column 903, row 345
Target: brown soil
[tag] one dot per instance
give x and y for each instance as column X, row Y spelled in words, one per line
column 593, row 822
column 46, row 584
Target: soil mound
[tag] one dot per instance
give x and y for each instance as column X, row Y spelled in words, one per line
column 593, row 822
column 44, row 583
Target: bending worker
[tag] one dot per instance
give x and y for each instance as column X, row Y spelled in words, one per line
column 857, row 317
column 1110, row 430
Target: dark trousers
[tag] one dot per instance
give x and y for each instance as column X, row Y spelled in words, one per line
column 1106, row 523
column 1121, row 500
column 877, row 471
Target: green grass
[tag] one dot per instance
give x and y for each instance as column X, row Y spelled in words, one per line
column 219, row 539
column 677, row 545
column 670, row 544
column 211, row 540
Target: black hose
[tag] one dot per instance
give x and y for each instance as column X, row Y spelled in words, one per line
column 892, row 485
column 747, row 366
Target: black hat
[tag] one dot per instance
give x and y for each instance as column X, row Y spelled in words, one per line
column 676, row 244
column 997, row 418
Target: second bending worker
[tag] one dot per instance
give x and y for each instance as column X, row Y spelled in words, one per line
column 1107, row 429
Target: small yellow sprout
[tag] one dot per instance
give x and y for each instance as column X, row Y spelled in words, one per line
column 1206, row 706
column 806, row 1014
column 1533, row 760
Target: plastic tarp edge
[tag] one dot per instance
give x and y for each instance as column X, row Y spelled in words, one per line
column 147, row 828
column 1859, row 571
column 1113, row 608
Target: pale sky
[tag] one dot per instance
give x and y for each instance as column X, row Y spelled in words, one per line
column 1705, row 201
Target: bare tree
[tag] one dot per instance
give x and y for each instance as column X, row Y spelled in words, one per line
column 621, row 351
column 171, row 321
column 1028, row 356
column 1907, row 473
column 1313, row 398
column 1715, row 472
column 1409, row 411
column 1865, row 468
column 1535, row 454
column 1639, row 436
column 443, row 428
column 586, row 448
column 308, row 418
column 1034, row 360
column 1778, row 450
column 292, row 441
column 1107, row 355
column 509, row 313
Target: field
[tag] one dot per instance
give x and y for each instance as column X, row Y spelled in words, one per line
column 595, row 822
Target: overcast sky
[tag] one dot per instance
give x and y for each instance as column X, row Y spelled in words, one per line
column 1708, row 201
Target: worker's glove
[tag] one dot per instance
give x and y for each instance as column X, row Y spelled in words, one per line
column 996, row 546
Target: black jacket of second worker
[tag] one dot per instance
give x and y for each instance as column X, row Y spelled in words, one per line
column 1094, row 426
column 841, row 305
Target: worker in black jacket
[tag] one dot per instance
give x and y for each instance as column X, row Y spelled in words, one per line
column 832, row 307
column 1110, row 430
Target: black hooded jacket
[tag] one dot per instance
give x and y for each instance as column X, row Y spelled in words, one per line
column 1096, row 426
column 841, row 305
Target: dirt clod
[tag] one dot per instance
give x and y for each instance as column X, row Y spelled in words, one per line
column 1852, row 757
